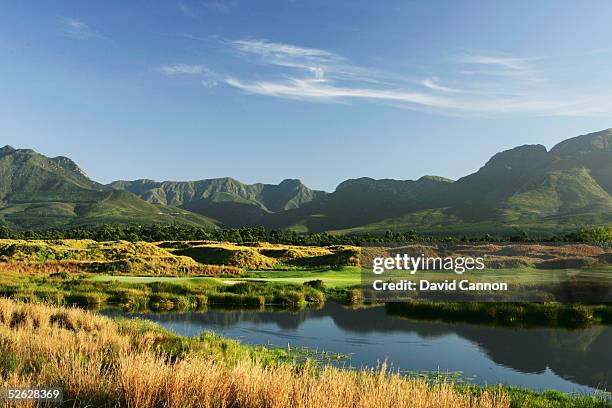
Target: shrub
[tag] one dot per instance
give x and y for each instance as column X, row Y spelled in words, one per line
column 85, row 298
column 353, row 297
column 317, row 284
column 314, row 296
column 576, row 315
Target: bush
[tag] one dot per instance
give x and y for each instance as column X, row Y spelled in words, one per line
column 353, row 297
column 85, row 298
column 289, row 298
column 50, row 296
column 576, row 315
column 314, row 296
column 201, row 301
column 316, row 284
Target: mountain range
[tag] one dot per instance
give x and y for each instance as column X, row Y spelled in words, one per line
column 526, row 188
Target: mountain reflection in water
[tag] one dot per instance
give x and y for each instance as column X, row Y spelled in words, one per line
column 539, row 358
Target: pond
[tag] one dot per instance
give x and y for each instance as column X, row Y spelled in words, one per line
column 577, row 360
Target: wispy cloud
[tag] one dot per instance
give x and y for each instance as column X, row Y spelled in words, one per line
column 314, row 89
column 317, row 63
column 309, row 89
column 183, row 69
column 209, row 82
column 278, row 50
column 208, row 78
column 195, row 9
column 187, row 10
column 76, row 28
column 477, row 83
column 433, row 83
column 518, row 64
column 500, row 66
column 221, row 6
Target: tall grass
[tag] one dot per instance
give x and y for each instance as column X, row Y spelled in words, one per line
column 101, row 362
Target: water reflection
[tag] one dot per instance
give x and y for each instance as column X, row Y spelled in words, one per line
column 541, row 358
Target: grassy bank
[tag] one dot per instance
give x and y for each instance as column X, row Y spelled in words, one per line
column 289, row 289
column 156, row 294
column 508, row 314
column 102, row 362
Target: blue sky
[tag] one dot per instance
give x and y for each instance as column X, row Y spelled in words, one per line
column 319, row 90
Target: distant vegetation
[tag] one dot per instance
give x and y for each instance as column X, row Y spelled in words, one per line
column 180, row 232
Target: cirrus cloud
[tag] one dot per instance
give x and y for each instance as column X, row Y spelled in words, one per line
column 75, row 28
column 478, row 83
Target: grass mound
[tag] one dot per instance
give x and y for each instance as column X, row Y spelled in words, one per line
column 263, row 255
column 102, row 257
column 228, row 254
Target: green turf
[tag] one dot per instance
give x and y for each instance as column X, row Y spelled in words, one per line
column 345, row 276
column 350, row 276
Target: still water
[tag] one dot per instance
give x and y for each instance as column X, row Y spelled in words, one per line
column 542, row 358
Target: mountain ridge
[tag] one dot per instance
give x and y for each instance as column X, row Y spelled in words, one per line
column 528, row 186
column 38, row 191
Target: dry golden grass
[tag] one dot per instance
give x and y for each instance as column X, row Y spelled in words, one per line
column 553, row 256
column 264, row 255
column 99, row 363
column 73, row 256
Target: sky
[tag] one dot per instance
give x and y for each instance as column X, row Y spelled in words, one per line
column 319, row 90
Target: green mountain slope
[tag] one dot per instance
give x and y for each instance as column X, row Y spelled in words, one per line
column 231, row 202
column 592, row 151
column 41, row 192
column 525, row 188
column 363, row 201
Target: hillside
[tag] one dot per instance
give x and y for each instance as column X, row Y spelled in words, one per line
column 527, row 188
column 231, row 202
column 41, row 192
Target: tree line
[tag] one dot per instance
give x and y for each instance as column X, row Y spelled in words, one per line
column 178, row 232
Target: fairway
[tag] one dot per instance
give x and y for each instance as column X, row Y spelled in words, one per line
column 350, row 276
column 345, row 276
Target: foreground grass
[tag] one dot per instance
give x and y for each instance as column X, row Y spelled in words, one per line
column 101, row 362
